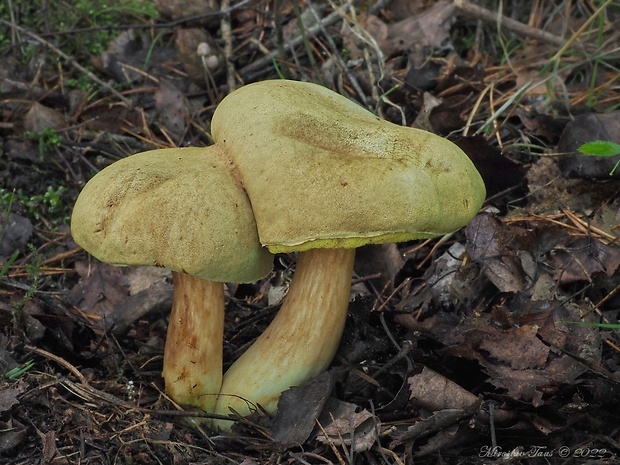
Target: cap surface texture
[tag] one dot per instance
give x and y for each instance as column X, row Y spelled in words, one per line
column 323, row 172
column 181, row 209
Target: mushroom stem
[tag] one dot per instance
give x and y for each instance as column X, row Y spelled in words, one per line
column 193, row 353
column 299, row 343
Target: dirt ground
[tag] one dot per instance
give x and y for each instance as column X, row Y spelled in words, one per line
column 498, row 343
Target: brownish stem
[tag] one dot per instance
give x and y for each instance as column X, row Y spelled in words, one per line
column 300, row 342
column 193, row 353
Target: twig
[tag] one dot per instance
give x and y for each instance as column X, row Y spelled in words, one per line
column 341, row 63
column 510, row 24
column 256, row 65
column 60, row 361
column 228, row 47
column 70, row 60
column 366, row 40
column 251, row 70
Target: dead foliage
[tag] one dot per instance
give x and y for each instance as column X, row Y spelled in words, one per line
column 491, row 345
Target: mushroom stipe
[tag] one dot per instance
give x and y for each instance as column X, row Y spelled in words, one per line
column 295, row 168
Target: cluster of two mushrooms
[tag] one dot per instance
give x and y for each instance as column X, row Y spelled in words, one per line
column 295, row 168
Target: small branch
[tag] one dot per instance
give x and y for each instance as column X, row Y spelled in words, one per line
column 339, row 60
column 254, row 68
column 228, row 47
column 60, row 361
column 510, row 24
column 256, row 65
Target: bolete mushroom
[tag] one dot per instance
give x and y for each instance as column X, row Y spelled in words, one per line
column 181, row 209
column 325, row 176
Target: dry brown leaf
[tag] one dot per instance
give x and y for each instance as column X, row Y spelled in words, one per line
column 434, row 391
column 583, row 258
column 172, row 107
column 494, row 246
column 343, row 425
column 530, row 361
column 102, row 287
column 39, row 118
column 16, row 232
column 8, row 396
column 518, row 347
column 298, row 410
column 12, row 434
column 374, row 34
column 421, row 34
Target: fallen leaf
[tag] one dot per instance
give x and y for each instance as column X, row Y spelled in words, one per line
column 8, row 396
column 343, row 425
column 434, row 391
column 157, row 298
column 39, row 118
column 172, row 107
column 12, row 434
column 178, row 9
column 582, row 258
column 384, row 260
column 102, row 287
column 518, row 347
column 128, row 48
column 493, row 245
column 372, row 35
column 299, row 408
column 421, row 34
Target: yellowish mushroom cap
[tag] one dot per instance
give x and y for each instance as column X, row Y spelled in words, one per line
column 323, row 172
column 180, row 209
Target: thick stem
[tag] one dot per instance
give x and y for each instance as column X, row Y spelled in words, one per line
column 300, row 342
column 193, row 353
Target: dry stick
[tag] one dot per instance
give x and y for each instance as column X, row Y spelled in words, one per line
column 329, row 20
column 365, row 40
column 69, row 59
column 85, row 390
column 510, row 24
column 341, row 63
column 60, row 361
column 228, row 48
column 297, row 40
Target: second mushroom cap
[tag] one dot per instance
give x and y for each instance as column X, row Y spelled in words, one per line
column 321, row 171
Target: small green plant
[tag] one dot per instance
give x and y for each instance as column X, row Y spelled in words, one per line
column 18, row 372
column 48, row 140
column 33, row 268
column 601, row 148
column 7, row 211
column 8, row 263
column 37, row 205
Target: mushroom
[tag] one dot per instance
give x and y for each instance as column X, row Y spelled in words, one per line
column 325, row 176
column 181, row 209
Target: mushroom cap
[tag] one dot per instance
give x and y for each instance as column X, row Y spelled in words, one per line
column 181, row 209
column 323, row 172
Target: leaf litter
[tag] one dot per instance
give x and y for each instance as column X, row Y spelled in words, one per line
column 484, row 338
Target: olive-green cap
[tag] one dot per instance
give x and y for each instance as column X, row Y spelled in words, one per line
column 323, row 172
column 180, row 208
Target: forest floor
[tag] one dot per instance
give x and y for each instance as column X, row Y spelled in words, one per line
column 496, row 344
